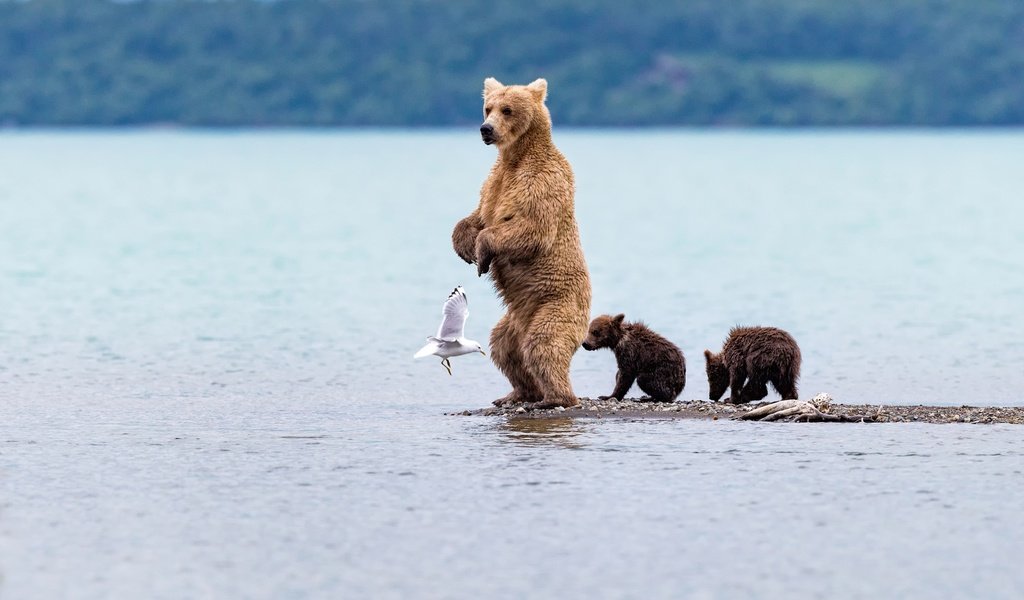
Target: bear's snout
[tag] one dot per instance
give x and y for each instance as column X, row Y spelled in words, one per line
column 487, row 133
column 587, row 346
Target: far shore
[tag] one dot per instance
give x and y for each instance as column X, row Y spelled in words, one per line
column 590, row 408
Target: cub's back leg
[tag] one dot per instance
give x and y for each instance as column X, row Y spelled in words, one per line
column 785, row 386
column 662, row 385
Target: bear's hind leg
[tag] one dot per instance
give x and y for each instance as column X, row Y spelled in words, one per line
column 548, row 348
column 507, row 356
column 661, row 385
column 785, row 386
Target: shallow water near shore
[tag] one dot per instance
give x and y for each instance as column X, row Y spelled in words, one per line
column 207, row 390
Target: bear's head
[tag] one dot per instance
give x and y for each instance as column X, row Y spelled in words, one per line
column 604, row 332
column 511, row 110
column 718, row 375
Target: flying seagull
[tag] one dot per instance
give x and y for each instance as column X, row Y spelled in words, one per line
column 450, row 340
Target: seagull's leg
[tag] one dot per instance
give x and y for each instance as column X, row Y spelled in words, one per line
column 447, row 365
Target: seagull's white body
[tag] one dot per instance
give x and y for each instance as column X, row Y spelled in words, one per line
column 450, row 339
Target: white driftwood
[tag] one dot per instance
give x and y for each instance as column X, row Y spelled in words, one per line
column 802, row 411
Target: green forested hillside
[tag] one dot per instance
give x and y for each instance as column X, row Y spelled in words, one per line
column 422, row 62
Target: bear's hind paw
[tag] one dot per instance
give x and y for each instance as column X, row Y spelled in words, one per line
column 511, row 400
column 553, row 403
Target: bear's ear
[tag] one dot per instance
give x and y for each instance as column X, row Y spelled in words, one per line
column 707, row 355
column 491, row 84
column 539, row 89
column 618, row 318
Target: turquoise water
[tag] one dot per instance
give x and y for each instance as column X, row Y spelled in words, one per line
column 206, row 382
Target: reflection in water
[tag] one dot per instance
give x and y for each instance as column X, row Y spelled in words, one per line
column 559, row 431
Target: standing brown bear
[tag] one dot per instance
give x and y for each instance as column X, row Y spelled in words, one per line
column 757, row 356
column 656, row 364
column 524, row 234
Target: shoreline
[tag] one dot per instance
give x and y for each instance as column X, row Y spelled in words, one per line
column 632, row 408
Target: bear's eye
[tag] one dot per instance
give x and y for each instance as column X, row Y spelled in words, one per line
column 487, row 111
column 506, row 111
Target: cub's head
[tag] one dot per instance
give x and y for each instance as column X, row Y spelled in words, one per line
column 604, row 332
column 510, row 110
column 718, row 375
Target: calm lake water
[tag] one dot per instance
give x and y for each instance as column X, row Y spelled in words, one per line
column 207, row 386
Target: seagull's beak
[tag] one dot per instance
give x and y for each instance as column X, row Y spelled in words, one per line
column 484, row 353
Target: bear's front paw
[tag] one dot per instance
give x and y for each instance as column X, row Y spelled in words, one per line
column 464, row 240
column 611, row 398
column 464, row 255
column 484, row 253
column 483, row 264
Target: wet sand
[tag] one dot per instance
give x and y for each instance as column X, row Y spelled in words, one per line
column 697, row 409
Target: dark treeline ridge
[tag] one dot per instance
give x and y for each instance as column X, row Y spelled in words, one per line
column 422, row 62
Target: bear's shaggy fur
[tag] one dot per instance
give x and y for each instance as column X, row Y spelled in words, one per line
column 656, row 364
column 524, row 234
column 756, row 356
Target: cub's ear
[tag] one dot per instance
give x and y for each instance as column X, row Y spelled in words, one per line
column 539, row 89
column 491, row 84
column 707, row 355
column 618, row 318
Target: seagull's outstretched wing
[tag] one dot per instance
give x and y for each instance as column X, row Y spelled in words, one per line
column 456, row 309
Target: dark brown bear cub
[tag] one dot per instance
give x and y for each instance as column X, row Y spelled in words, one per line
column 656, row 364
column 751, row 358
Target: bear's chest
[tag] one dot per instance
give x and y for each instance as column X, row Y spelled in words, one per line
column 499, row 197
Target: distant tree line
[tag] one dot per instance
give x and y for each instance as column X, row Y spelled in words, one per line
column 422, row 62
